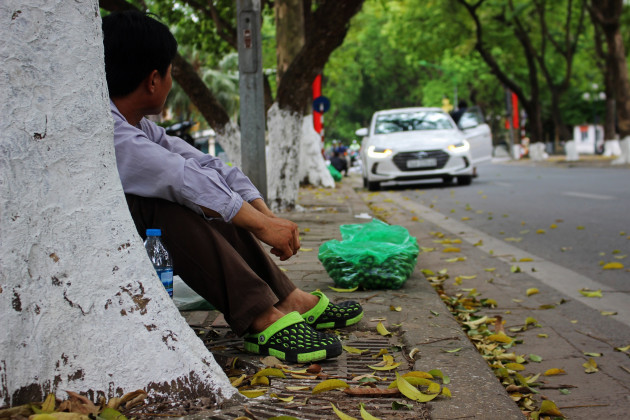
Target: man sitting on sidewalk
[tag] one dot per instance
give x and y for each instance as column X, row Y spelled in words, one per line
column 211, row 215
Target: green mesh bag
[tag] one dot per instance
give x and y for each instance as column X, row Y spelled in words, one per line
column 372, row 255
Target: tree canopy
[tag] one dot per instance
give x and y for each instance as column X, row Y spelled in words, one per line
column 412, row 53
column 419, row 52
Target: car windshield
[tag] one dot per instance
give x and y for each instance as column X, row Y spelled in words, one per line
column 412, row 121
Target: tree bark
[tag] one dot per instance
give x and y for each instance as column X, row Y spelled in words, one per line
column 606, row 66
column 607, row 13
column 82, row 307
column 323, row 31
column 328, row 25
column 289, row 33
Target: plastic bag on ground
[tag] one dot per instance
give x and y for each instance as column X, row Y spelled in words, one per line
column 186, row 299
column 372, row 255
column 335, row 173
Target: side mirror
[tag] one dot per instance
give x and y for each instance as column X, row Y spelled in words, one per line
column 362, row 132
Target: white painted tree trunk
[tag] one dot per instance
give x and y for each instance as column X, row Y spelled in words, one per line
column 312, row 168
column 624, row 148
column 82, row 308
column 612, row 148
column 230, row 140
column 571, row 151
column 284, row 130
column 537, row 152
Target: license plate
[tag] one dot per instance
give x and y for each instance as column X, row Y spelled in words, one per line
column 422, row 163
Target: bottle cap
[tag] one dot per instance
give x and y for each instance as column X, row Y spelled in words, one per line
column 154, row 232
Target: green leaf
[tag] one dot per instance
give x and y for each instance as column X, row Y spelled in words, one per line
column 535, row 358
column 401, row 406
column 438, row 374
column 111, row 414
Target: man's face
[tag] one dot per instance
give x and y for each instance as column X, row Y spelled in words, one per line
column 164, row 88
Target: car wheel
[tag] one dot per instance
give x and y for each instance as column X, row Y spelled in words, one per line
column 464, row 180
column 447, row 179
column 373, row 185
column 365, row 182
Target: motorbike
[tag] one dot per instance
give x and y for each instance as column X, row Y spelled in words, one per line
column 181, row 130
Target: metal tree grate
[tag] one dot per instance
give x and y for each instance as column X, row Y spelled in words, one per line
column 307, row 406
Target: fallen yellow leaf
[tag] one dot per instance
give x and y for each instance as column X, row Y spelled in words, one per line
column 412, row 392
column 613, row 266
column 419, row 374
column 501, row 338
column 451, row 249
column 328, row 385
column 285, row 399
column 591, row 293
column 270, row 372
column 515, row 366
column 382, row 330
column 554, row 371
column 353, row 350
column 297, row 388
column 341, row 414
column 343, row 290
column 550, row 408
column 590, row 366
column 386, row 367
column 253, row 393
column 259, row 380
column 365, row 415
column 531, row 291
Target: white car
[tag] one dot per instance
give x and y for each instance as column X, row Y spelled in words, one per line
column 409, row 144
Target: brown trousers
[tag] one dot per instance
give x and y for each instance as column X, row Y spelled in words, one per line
column 223, row 263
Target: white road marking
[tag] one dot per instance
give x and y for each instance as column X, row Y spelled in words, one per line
column 587, row 195
column 553, row 275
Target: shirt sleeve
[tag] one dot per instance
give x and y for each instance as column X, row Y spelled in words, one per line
column 153, row 164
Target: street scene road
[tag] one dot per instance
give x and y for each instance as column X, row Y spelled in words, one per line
column 548, row 228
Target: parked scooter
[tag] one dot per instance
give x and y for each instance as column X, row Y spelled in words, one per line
column 181, row 130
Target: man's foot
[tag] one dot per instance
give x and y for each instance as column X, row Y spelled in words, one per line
column 290, row 338
column 330, row 315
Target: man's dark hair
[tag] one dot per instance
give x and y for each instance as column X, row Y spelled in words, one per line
column 135, row 45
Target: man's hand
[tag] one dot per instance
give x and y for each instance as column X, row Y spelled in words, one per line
column 281, row 234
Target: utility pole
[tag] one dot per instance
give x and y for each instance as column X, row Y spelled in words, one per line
column 251, row 93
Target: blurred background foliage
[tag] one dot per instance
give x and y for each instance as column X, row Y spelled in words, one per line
column 401, row 53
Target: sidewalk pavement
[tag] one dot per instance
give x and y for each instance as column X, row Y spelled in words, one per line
column 424, row 325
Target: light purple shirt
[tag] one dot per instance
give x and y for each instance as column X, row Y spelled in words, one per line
column 154, row 164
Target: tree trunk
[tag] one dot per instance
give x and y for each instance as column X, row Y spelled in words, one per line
column 328, row 25
column 618, row 58
column 82, row 307
column 289, row 33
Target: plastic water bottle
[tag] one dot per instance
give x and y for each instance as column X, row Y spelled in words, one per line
column 160, row 258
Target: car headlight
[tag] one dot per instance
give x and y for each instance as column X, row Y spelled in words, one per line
column 462, row 146
column 378, row 152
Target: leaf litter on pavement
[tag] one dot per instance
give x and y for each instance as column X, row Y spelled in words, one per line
column 496, row 345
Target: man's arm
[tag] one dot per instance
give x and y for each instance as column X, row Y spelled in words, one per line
column 281, row 234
